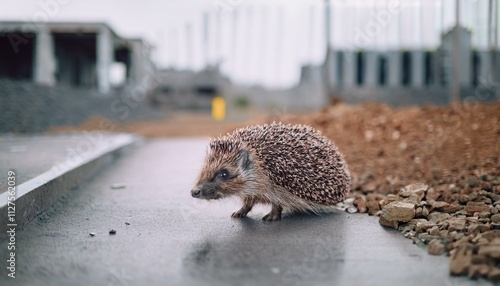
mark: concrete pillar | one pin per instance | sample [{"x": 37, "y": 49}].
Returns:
[
  {"x": 371, "y": 71},
  {"x": 417, "y": 67},
  {"x": 44, "y": 63},
  {"x": 485, "y": 71},
  {"x": 333, "y": 71},
  {"x": 394, "y": 68},
  {"x": 349, "y": 68},
  {"x": 105, "y": 56}
]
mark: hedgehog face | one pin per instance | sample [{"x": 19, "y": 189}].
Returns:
[{"x": 223, "y": 174}]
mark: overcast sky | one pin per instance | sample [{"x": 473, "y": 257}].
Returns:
[{"x": 261, "y": 42}]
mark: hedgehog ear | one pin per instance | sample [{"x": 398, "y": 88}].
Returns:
[{"x": 244, "y": 161}]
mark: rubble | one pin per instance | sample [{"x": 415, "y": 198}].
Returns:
[
  {"x": 468, "y": 233},
  {"x": 437, "y": 181}
]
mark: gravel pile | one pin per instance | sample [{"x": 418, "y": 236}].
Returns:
[
  {"x": 431, "y": 172},
  {"x": 26, "y": 107}
]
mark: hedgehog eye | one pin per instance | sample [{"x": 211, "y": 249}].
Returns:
[{"x": 223, "y": 174}]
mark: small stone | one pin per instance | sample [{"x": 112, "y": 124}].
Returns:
[
  {"x": 432, "y": 194},
  {"x": 460, "y": 261},
  {"x": 425, "y": 212},
  {"x": 476, "y": 271},
  {"x": 479, "y": 259},
  {"x": 399, "y": 211},
  {"x": 349, "y": 201},
  {"x": 413, "y": 198},
  {"x": 495, "y": 218},
  {"x": 369, "y": 187},
  {"x": 473, "y": 207},
  {"x": 473, "y": 229},
  {"x": 92, "y": 234},
  {"x": 457, "y": 224},
  {"x": 451, "y": 208},
  {"x": 373, "y": 207},
  {"x": 461, "y": 239},
  {"x": 494, "y": 211},
  {"x": 383, "y": 221},
  {"x": 426, "y": 238},
  {"x": 112, "y": 231},
  {"x": 437, "y": 217},
  {"x": 476, "y": 238},
  {"x": 351, "y": 210},
  {"x": 464, "y": 199},
  {"x": 439, "y": 205},
  {"x": 127, "y": 223},
  {"x": 485, "y": 214},
  {"x": 443, "y": 233},
  {"x": 494, "y": 273},
  {"x": 418, "y": 212},
  {"x": 482, "y": 241},
  {"x": 435, "y": 247},
  {"x": 472, "y": 219},
  {"x": 490, "y": 250},
  {"x": 117, "y": 186},
  {"x": 434, "y": 231},
  {"x": 418, "y": 189},
  {"x": 484, "y": 227},
  {"x": 360, "y": 203}
]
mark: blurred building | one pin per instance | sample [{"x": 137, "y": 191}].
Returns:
[
  {"x": 415, "y": 76},
  {"x": 75, "y": 54},
  {"x": 189, "y": 89}
]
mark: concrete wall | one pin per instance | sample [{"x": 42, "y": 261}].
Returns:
[{"x": 76, "y": 54}]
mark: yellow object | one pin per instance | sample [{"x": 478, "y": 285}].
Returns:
[{"x": 218, "y": 108}]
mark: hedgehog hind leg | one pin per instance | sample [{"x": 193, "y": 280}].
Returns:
[
  {"x": 248, "y": 203},
  {"x": 275, "y": 213}
]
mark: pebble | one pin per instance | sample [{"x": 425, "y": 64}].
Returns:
[
  {"x": 435, "y": 247},
  {"x": 399, "y": 211},
  {"x": 473, "y": 207},
  {"x": 92, "y": 234},
  {"x": 373, "y": 207},
  {"x": 349, "y": 200},
  {"x": 352, "y": 210},
  {"x": 116, "y": 186},
  {"x": 461, "y": 260},
  {"x": 495, "y": 218},
  {"x": 112, "y": 231},
  {"x": 360, "y": 203},
  {"x": 425, "y": 212}
]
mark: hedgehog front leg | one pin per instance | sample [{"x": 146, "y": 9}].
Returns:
[
  {"x": 275, "y": 213},
  {"x": 248, "y": 203}
]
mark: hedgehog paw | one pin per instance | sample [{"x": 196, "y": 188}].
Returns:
[
  {"x": 239, "y": 214},
  {"x": 272, "y": 217}
]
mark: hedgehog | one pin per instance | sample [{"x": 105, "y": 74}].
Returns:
[{"x": 294, "y": 168}]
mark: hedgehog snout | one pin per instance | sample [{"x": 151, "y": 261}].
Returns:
[
  {"x": 195, "y": 193},
  {"x": 205, "y": 191}
]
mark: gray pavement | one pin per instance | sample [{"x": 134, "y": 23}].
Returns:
[
  {"x": 32, "y": 155},
  {"x": 173, "y": 239}
]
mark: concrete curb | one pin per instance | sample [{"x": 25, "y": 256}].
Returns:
[{"x": 37, "y": 194}]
